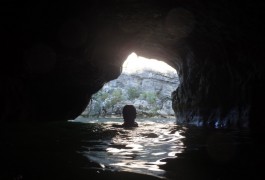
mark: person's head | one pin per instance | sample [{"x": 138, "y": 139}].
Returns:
[{"x": 129, "y": 113}]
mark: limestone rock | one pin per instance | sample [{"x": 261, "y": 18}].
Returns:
[{"x": 149, "y": 91}]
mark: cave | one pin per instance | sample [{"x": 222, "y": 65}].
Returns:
[
  {"x": 55, "y": 56},
  {"x": 147, "y": 84}
]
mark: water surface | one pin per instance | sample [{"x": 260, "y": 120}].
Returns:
[
  {"x": 140, "y": 150},
  {"x": 157, "y": 149}
]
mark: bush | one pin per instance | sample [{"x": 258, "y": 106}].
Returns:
[
  {"x": 133, "y": 93},
  {"x": 116, "y": 96},
  {"x": 150, "y": 97},
  {"x": 96, "y": 109},
  {"x": 100, "y": 96}
]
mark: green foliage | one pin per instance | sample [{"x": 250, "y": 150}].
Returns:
[
  {"x": 100, "y": 96},
  {"x": 108, "y": 104},
  {"x": 97, "y": 108},
  {"x": 133, "y": 93},
  {"x": 150, "y": 97},
  {"x": 116, "y": 96}
]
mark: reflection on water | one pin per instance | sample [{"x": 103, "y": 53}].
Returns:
[
  {"x": 138, "y": 149},
  {"x": 156, "y": 149}
]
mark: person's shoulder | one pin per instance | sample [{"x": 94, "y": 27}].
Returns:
[{"x": 135, "y": 124}]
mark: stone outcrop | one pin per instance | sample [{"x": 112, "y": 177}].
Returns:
[
  {"x": 149, "y": 91},
  {"x": 56, "y": 55}
]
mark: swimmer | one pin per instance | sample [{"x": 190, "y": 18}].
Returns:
[{"x": 129, "y": 115}]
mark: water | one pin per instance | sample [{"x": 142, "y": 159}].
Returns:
[
  {"x": 157, "y": 149},
  {"x": 139, "y": 150}
]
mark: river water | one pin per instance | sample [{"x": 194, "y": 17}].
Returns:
[{"x": 157, "y": 149}]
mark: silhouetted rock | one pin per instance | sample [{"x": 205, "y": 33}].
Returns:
[{"x": 56, "y": 55}]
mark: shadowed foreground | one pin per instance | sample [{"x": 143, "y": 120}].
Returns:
[{"x": 68, "y": 150}]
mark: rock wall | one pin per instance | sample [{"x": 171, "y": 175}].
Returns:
[
  {"x": 221, "y": 72},
  {"x": 148, "y": 90},
  {"x": 56, "y": 55}
]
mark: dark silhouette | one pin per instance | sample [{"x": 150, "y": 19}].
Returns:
[{"x": 129, "y": 115}]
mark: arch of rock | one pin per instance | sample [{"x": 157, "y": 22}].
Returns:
[{"x": 56, "y": 55}]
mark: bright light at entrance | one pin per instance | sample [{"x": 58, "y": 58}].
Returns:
[
  {"x": 146, "y": 84},
  {"x": 137, "y": 64}
]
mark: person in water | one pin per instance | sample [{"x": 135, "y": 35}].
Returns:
[{"x": 129, "y": 115}]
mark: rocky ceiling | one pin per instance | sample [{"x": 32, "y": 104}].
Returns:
[{"x": 56, "y": 55}]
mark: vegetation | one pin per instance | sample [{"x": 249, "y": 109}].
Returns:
[
  {"x": 100, "y": 96},
  {"x": 150, "y": 97},
  {"x": 112, "y": 100},
  {"x": 133, "y": 93},
  {"x": 115, "y": 97}
]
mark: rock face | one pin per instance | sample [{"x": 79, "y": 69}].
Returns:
[
  {"x": 148, "y": 90},
  {"x": 56, "y": 55}
]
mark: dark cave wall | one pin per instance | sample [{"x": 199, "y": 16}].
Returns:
[
  {"x": 56, "y": 55},
  {"x": 222, "y": 68}
]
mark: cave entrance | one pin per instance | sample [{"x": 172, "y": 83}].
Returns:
[{"x": 145, "y": 83}]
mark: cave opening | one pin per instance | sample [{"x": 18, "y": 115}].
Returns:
[
  {"x": 145, "y": 83},
  {"x": 56, "y": 55}
]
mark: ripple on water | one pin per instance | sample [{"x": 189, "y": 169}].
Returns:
[{"x": 137, "y": 150}]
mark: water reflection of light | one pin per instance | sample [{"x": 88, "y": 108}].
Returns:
[{"x": 135, "y": 151}]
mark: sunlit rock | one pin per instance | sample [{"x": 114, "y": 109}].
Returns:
[{"x": 145, "y": 83}]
